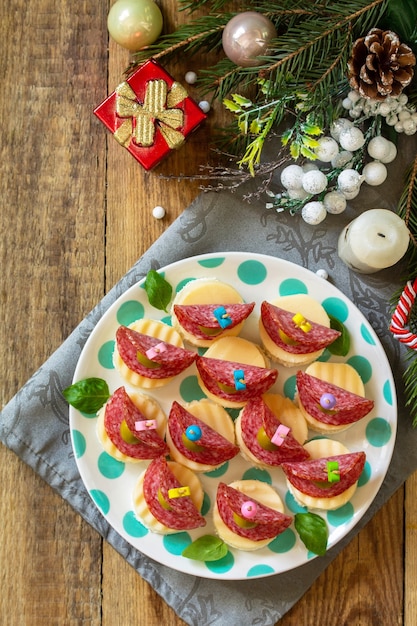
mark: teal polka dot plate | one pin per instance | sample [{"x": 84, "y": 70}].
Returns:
[{"x": 110, "y": 483}]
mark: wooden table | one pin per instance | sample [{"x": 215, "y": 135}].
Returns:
[{"x": 76, "y": 213}]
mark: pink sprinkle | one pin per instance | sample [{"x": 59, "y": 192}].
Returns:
[
  {"x": 153, "y": 352},
  {"x": 280, "y": 434},
  {"x": 248, "y": 509},
  {"x": 145, "y": 424}
]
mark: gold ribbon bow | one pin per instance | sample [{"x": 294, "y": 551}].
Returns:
[{"x": 157, "y": 107}]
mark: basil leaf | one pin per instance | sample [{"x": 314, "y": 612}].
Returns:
[
  {"x": 158, "y": 289},
  {"x": 341, "y": 346},
  {"x": 206, "y": 548},
  {"x": 313, "y": 532},
  {"x": 87, "y": 395}
]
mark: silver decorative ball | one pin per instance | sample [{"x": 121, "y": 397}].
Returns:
[{"x": 246, "y": 37}]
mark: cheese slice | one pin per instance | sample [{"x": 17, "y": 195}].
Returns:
[
  {"x": 340, "y": 374},
  {"x": 156, "y": 329},
  {"x": 150, "y": 409},
  {"x": 206, "y": 291},
  {"x": 318, "y": 449},
  {"x": 236, "y": 349},
  {"x": 186, "y": 477},
  {"x": 310, "y": 309},
  {"x": 257, "y": 490},
  {"x": 214, "y": 416}
]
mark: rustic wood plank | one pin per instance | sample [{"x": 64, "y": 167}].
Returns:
[
  {"x": 52, "y": 260},
  {"x": 410, "y": 552}
]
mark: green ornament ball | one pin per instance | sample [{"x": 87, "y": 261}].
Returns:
[{"x": 134, "y": 24}]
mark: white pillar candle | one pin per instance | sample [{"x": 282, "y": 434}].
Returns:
[{"x": 377, "y": 239}]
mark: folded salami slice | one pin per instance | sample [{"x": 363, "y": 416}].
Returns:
[
  {"x": 200, "y": 319},
  {"x": 301, "y": 338},
  {"x": 220, "y": 378},
  {"x": 312, "y": 477},
  {"x": 258, "y": 426},
  {"x": 167, "y": 360},
  {"x": 266, "y": 523},
  {"x": 210, "y": 449},
  {"x": 177, "y": 513},
  {"x": 348, "y": 407},
  {"x": 144, "y": 444}
]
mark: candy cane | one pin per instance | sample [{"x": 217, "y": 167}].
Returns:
[{"x": 402, "y": 315}]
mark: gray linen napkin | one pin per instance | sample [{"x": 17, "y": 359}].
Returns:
[{"x": 215, "y": 222}]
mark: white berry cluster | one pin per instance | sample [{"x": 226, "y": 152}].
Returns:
[
  {"x": 314, "y": 192},
  {"x": 396, "y": 111}
]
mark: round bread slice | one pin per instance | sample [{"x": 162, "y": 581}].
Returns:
[
  {"x": 206, "y": 291},
  {"x": 342, "y": 375},
  {"x": 319, "y": 449},
  {"x": 310, "y": 309},
  {"x": 256, "y": 490}
]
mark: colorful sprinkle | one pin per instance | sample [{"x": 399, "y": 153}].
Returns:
[
  {"x": 222, "y": 316},
  {"x": 239, "y": 379},
  {"x": 193, "y": 432},
  {"x": 300, "y": 321},
  {"x": 145, "y": 424},
  {"x": 327, "y": 401},
  {"x": 280, "y": 434},
  {"x": 179, "y": 492},
  {"x": 248, "y": 509},
  {"x": 155, "y": 350},
  {"x": 333, "y": 473}
]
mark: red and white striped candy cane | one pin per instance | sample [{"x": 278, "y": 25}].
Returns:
[{"x": 401, "y": 316}]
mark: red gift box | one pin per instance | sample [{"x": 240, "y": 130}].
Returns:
[{"x": 150, "y": 114}]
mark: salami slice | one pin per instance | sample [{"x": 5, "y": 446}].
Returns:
[
  {"x": 348, "y": 408},
  {"x": 218, "y": 376},
  {"x": 145, "y": 444},
  {"x": 265, "y": 524},
  {"x": 167, "y": 361},
  {"x": 258, "y": 426},
  {"x": 177, "y": 513},
  {"x": 200, "y": 319},
  {"x": 311, "y": 477},
  {"x": 210, "y": 449},
  {"x": 290, "y": 336}
]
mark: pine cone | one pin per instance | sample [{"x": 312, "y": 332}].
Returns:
[{"x": 380, "y": 65}]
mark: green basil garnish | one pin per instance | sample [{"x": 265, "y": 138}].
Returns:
[
  {"x": 313, "y": 532},
  {"x": 87, "y": 395},
  {"x": 159, "y": 290},
  {"x": 206, "y": 548},
  {"x": 341, "y": 346}
]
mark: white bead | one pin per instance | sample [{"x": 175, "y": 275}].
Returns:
[
  {"x": 334, "y": 202},
  {"x": 354, "y": 96},
  {"x": 402, "y": 98},
  {"x": 158, "y": 212},
  {"x": 313, "y": 213},
  {"x": 349, "y": 180},
  {"x": 322, "y": 274},
  {"x": 204, "y": 106},
  {"x": 314, "y": 182},
  {"x": 191, "y": 78},
  {"x": 338, "y": 125},
  {"x": 399, "y": 127},
  {"x": 347, "y": 104},
  {"x": 355, "y": 114},
  {"x": 351, "y": 139},
  {"x": 404, "y": 115},
  {"x": 297, "y": 194},
  {"x": 391, "y": 119},
  {"x": 307, "y": 167},
  {"x": 384, "y": 109},
  {"x": 349, "y": 195},
  {"x": 292, "y": 176},
  {"x": 392, "y": 154},
  {"x": 374, "y": 173},
  {"x": 327, "y": 149},
  {"x": 379, "y": 148},
  {"x": 342, "y": 160}
]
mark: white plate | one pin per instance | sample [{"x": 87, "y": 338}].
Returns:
[{"x": 257, "y": 277}]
